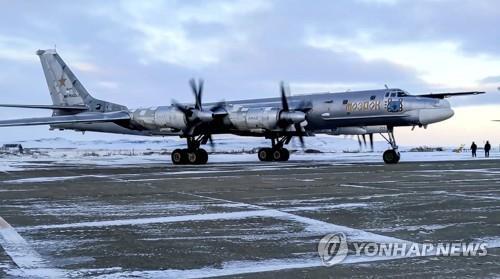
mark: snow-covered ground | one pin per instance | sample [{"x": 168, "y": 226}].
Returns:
[
  {"x": 224, "y": 143},
  {"x": 45, "y": 152}
]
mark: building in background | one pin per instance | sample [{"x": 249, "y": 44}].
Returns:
[{"x": 12, "y": 148}]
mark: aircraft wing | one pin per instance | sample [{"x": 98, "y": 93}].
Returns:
[
  {"x": 68, "y": 119},
  {"x": 45, "y": 107},
  {"x": 447, "y": 95}
]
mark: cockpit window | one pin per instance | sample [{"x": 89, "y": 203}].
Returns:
[
  {"x": 402, "y": 94},
  {"x": 393, "y": 94},
  {"x": 373, "y": 97}
]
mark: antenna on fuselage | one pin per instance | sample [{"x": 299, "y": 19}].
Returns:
[{"x": 386, "y": 87}]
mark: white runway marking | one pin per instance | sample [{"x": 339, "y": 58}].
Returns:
[
  {"x": 323, "y": 207},
  {"x": 50, "y": 179},
  {"x": 474, "y": 196},
  {"x": 21, "y": 253},
  {"x": 313, "y": 225},
  {"x": 244, "y": 267},
  {"x": 17, "y": 248},
  {"x": 156, "y": 220},
  {"x": 491, "y": 242},
  {"x": 369, "y": 187}
]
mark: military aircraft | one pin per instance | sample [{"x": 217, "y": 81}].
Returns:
[{"x": 278, "y": 119}]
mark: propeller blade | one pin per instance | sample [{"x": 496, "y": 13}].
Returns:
[
  {"x": 364, "y": 139},
  {"x": 211, "y": 141},
  {"x": 196, "y": 92},
  {"x": 200, "y": 93},
  {"x": 218, "y": 106},
  {"x": 302, "y": 143},
  {"x": 182, "y": 108},
  {"x": 371, "y": 141},
  {"x": 284, "y": 101},
  {"x": 300, "y": 135},
  {"x": 194, "y": 87},
  {"x": 359, "y": 141}
]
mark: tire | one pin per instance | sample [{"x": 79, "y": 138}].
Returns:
[
  {"x": 391, "y": 156},
  {"x": 203, "y": 156},
  {"x": 193, "y": 157},
  {"x": 277, "y": 155},
  {"x": 178, "y": 157},
  {"x": 265, "y": 154},
  {"x": 285, "y": 154}
]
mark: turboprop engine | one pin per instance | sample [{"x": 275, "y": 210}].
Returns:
[
  {"x": 157, "y": 118},
  {"x": 182, "y": 117},
  {"x": 264, "y": 118}
]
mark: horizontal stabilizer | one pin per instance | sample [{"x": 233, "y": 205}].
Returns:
[
  {"x": 68, "y": 119},
  {"x": 45, "y": 107},
  {"x": 447, "y": 95}
]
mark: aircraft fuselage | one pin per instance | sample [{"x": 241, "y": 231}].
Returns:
[{"x": 328, "y": 113}]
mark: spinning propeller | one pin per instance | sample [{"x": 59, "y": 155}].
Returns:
[
  {"x": 294, "y": 116},
  {"x": 195, "y": 116}
]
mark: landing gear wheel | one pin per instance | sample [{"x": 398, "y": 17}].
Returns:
[
  {"x": 277, "y": 155},
  {"x": 193, "y": 157},
  {"x": 202, "y": 156},
  {"x": 285, "y": 154},
  {"x": 265, "y": 154},
  {"x": 281, "y": 154},
  {"x": 179, "y": 156},
  {"x": 391, "y": 156}
]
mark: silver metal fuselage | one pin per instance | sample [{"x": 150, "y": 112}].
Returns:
[{"x": 333, "y": 113}]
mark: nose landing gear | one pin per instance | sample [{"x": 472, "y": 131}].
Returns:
[{"x": 391, "y": 156}]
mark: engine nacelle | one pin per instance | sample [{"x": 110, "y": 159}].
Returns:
[
  {"x": 157, "y": 118},
  {"x": 247, "y": 119},
  {"x": 362, "y": 130}
]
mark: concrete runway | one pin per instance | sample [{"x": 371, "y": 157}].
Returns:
[{"x": 245, "y": 220}]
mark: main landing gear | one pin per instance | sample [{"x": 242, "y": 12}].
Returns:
[
  {"x": 193, "y": 155},
  {"x": 391, "y": 156},
  {"x": 277, "y": 153}
]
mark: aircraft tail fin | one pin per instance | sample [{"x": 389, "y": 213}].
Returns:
[{"x": 65, "y": 88}]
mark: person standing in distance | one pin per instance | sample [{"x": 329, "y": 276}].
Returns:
[
  {"x": 473, "y": 147},
  {"x": 487, "y": 148}
]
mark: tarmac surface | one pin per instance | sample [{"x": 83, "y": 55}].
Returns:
[{"x": 244, "y": 220}]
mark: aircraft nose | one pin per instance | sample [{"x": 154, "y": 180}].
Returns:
[{"x": 428, "y": 116}]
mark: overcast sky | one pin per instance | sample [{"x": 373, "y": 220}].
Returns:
[{"x": 142, "y": 53}]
